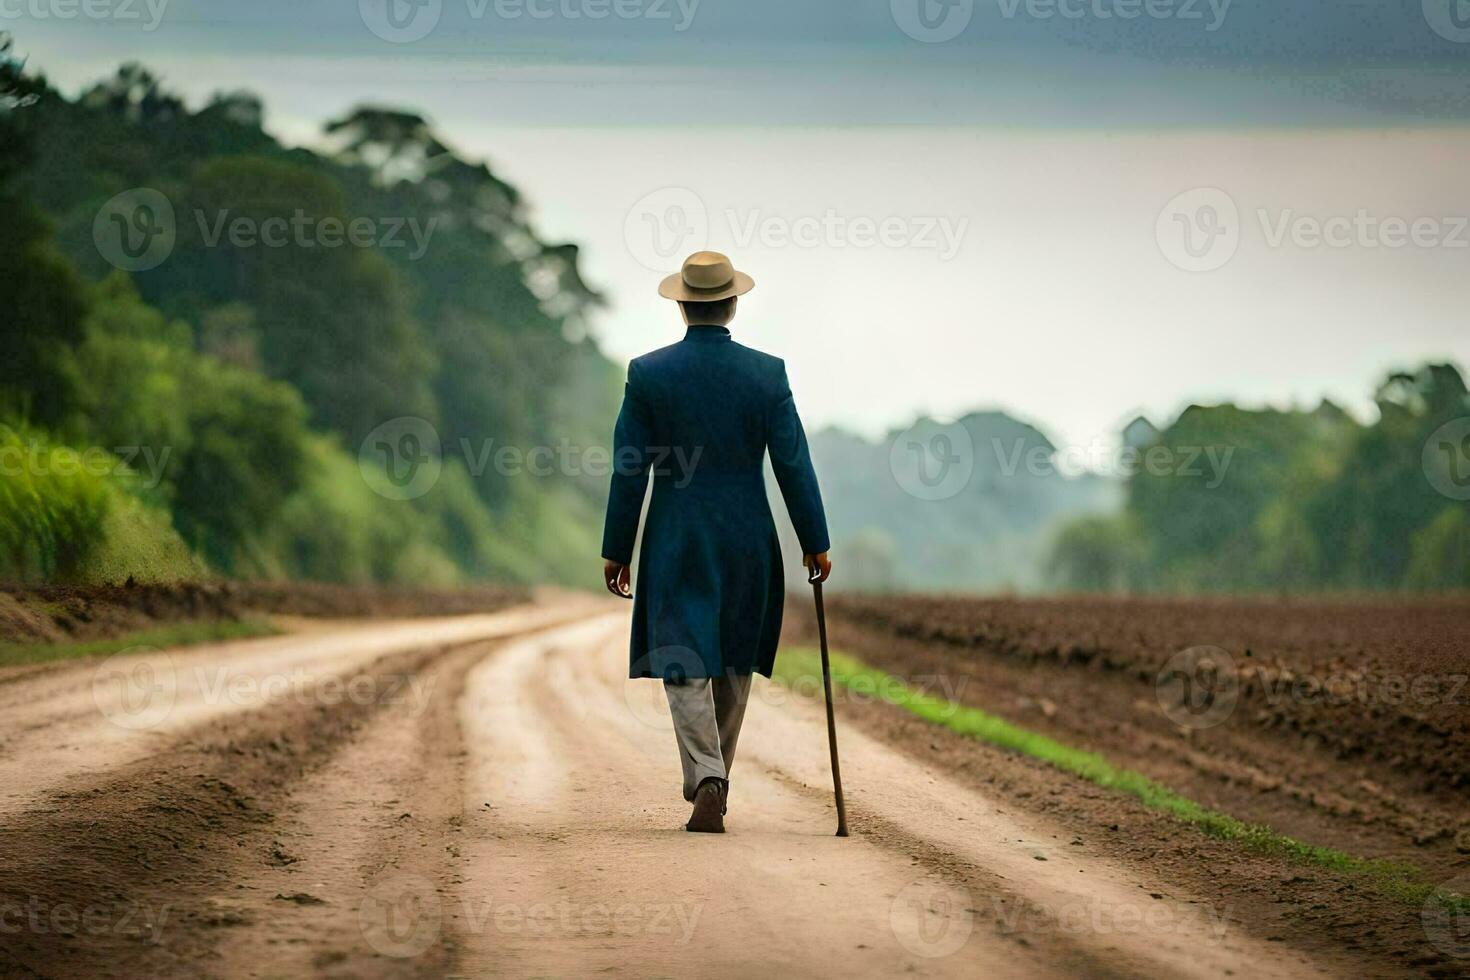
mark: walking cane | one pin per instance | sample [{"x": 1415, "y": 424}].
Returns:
[{"x": 814, "y": 577}]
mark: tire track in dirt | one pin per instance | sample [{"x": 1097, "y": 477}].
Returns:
[
  {"x": 95, "y": 716},
  {"x": 580, "y": 865},
  {"x": 523, "y": 818},
  {"x": 584, "y": 815},
  {"x": 152, "y": 858}
]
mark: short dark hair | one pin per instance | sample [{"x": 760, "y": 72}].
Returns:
[{"x": 720, "y": 311}]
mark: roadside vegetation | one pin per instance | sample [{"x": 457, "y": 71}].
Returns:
[
  {"x": 205, "y": 416},
  {"x": 158, "y": 638},
  {"x": 800, "y": 669}
]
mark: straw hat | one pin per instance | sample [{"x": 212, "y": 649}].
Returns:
[{"x": 706, "y": 277}]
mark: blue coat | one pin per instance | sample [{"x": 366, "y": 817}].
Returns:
[{"x": 700, "y": 416}]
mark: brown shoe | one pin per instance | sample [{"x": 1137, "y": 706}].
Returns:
[{"x": 708, "y": 816}]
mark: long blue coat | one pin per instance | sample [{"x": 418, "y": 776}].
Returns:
[{"x": 699, "y": 416}]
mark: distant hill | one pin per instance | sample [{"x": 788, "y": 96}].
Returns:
[{"x": 993, "y": 533}]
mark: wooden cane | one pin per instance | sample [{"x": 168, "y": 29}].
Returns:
[{"x": 814, "y": 577}]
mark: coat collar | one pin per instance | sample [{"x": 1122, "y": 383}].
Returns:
[{"x": 705, "y": 332}]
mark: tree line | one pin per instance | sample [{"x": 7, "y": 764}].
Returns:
[{"x": 205, "y": 413}]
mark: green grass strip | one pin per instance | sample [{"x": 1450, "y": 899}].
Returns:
[
  {"x": 801, "y": 669},
  {"x": 162, "y": 637}
]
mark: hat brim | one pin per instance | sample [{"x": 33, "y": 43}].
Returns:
[{"x": 675, "y": 288}]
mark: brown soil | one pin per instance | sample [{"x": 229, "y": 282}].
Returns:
[
  {"x": 60, "y": 614},
  {"x": 1374, "y": 775},
  {"x": 522, "y": 818}
]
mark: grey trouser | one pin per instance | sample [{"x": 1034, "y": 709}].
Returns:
[{"x": 707, "y": 715}]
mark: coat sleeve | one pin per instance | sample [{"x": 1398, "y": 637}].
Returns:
[
  {"x": 631, "y": 438},
  {"x": 792, "y": 463}
]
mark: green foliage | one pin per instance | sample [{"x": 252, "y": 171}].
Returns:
[
  {"x": 1309, "y": 501},
  {"x": 44, "y": 305},
  {"x": 1440, "y": 553},
  {"x": 243, "y": 372},
  {"x": 181, "y": 634},
  {"x": 66, "y": 516},
  {"x": 800, "y": 668},
  {"x": 1099, "y": 554}
]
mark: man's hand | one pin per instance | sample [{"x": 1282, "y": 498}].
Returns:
[
  {"x": 818, "y": 563},
  {"x": 615, "y": 575}
]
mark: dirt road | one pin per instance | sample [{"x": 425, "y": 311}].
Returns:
[{"x": 487, "y": 796}]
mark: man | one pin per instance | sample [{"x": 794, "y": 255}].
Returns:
[{"x": 700, "y": 416}]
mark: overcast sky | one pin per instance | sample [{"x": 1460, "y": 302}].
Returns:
[{"x": 1069, "y": 217}]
